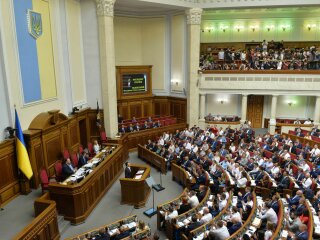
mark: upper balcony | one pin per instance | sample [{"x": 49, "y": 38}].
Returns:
[{"x": 304, "y": 82}]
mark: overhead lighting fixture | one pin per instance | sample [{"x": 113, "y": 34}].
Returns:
[
  {"x": 270, "y": 27},
  {"x": 253, "y": 28},
  {"x": 310, "y": 26},
  {"x": 238, "y": 28},
  {"x": 224, "y": 28}
]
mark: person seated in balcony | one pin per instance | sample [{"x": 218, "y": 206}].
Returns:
[
  {"x": 217, "y": 118},
  {"x": 122, "y": 129},
  {"x": 130, "y": 128},
  {"x": 134, "y": 120},
  {"x": 136, "y": 127},
  {"x": 308, "y": 121}
]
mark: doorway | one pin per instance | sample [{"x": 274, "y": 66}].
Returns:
[{"x": 255, "y": 110}]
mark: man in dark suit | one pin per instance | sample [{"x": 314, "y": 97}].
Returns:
[
  {"x": 136, "y": 127},
  {"x": 124, "y": 232},
  {"x": 294, "y": 201},
  {"x": 301, "y": 235},
  {"x": 129, "y": 128},
  {"x": 83, "y": 159},
  {"x": 285, "y": 181},
  {"x": 236, "y": 224},
  {"x": 127, "y": 171},
  {"x": 202, "y": 193},
  {"x": 67, "y": 169},
  {"x": 292, "y": 148},
  {"x": 122, "y": 129},
  {"x": 184, "y": 207},
  {"x": 193, "y": 225},
  {"x": 274, "y": 203}
]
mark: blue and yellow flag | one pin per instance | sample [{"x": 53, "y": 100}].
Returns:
[{"x": 22, "y": 154}]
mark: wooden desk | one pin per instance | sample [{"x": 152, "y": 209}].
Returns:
[
  {"x": 165, "y": 206},
  {"x": 45, "y": 224},
  {"x": 286, "y": 127},
  {"x": 224, "y": 125},
  {"x": 75, "y": 202},
  {"x": 152, "y": 158},
  {"x": 141, "y": 137},
  {"x": 135, "y": 191},
  {"x": 110, "y": 226},
  {"x": 181, "y": 176}
]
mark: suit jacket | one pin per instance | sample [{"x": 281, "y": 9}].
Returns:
[
  {"x": 122, "y": 235},
  {"x": 302, "y": 236},
  {"x": 275, "y": 206},
  {"x": 201, "y": 195},
  {"x": 192, "y": 226},
  {"x": 293, "y": 150},
  {"x": 299, "y": 209},
  {"x": 285, "y": 181},
  {"x": 127, "y": 172},
  {"x": 184, "y": 208},
  {"x": 294, "y": 200},
  {"x": 82, "y": 161},
  {"x": 66, "y": 171},
  {"x": 234, "y": 228}
]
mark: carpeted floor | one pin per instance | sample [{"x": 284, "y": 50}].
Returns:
[{"x": 20, "y": 211}]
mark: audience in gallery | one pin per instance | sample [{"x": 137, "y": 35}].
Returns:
[
  {"x": 219, "y": 118},
  {"x": 266, "y": 159},
  {"x": 135, "y": 126},
  {"x": 266, "y": 56}
]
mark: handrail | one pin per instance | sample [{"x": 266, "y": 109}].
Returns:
[{"x": 45, "y": 221}]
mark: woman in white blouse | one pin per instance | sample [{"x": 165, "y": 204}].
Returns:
[
  {"x": 269, "y": 232},
  {"x": 242, "y": 182},
  {"x": 96, "y": 147}
]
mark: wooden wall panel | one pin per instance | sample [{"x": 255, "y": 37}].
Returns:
[
  {"x": 9, "y": 185},
  {"x": 74, "y": 137}
]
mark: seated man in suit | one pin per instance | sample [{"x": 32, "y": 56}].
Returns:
[
  {"x": 122, "y": 129},
  {"x": 193, "y": 225},
  {"x": 67, "y": 169},
  {"x": 83, "y": 159},
  {"x": 301, "y": 235},
  {"x": 294, "y": 201},
  {"x": 236, "y": 224},
  {"x": 127, "y": 171},
  {"x": 103, "y": 235},
  {"x": 130, "y": 128},
  {"x": 123, "y": 233},
  {"x": 285, "y": 182}
]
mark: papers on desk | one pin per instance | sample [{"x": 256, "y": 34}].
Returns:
[
  {"x": 113, "y": 231},
  {"x": 186, "y": 221},
  {"x": 210, "y": 197},
  {"x": 284, "y": 234},
  {"x": 209, "y": 204},
  {"x": 140, "y": 172},
  {"x": 131, "y": 225},
  {"x": 138, "y": 177},
  {"x": 253, "y": 183},
  {"x": 199, "y": 237},
  {"x": 180, "y": 224},
  {"x": 256, "y": 222}
]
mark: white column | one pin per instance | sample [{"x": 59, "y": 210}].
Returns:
[
  {"x": 107, "y": 65},
  {"x": 193, "y": 21},
  {"x": 244, "y": 108},
  {"x": 202, "y": 105},
  {"x": 202, "y": 121},
  {"x": 316, "y": 116},
  {"x": 272, "y": 123}
]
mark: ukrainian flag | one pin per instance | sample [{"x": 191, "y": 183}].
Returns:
[{"x": 22, "y": 154}]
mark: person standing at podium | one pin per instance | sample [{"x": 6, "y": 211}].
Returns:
[{"x": 127, "y": 171}]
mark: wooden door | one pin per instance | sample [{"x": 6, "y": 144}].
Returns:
[{"x": 255, "y": 110}]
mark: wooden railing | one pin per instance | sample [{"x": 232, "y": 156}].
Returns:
[
  {"x": 166, "y": 206},
  {"x": 45, "y": 225},
  {"x": 181, "y": 176},
  {"x": 207, "y": 225},
  {"x": 132, "y": 139},
  {"x": 152, "y": 158}
]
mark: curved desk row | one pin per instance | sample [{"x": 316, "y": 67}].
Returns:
[
  {"x": 112, "y": 228},
  {"x": 152, "y": 158},
  {"x": 198, "y": 231},
  {"x": 181, "y": 176},
  {"x": 45, "y": 224},
  {"x": 132, "y": 139},
  {"x": 76, "y": 201}
]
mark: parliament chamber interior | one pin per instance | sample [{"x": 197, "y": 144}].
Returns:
[{"x": 160, "y": 119}]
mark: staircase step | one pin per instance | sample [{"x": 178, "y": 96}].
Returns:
[{"x": 62, "y": 224}]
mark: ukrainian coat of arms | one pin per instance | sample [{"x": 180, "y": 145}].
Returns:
[{"x": 34, "y": 23}]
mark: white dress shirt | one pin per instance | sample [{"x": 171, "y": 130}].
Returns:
[
  {"x": 206, "y": 218},
  {"x": 270, "y": 215},
  {"x": 171, "y": 215},
  {"x": 307, "y": 183},
  {"x": 193, "y": 201}
]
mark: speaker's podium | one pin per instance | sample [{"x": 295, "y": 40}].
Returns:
[{"x": 135, "y": 190}]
